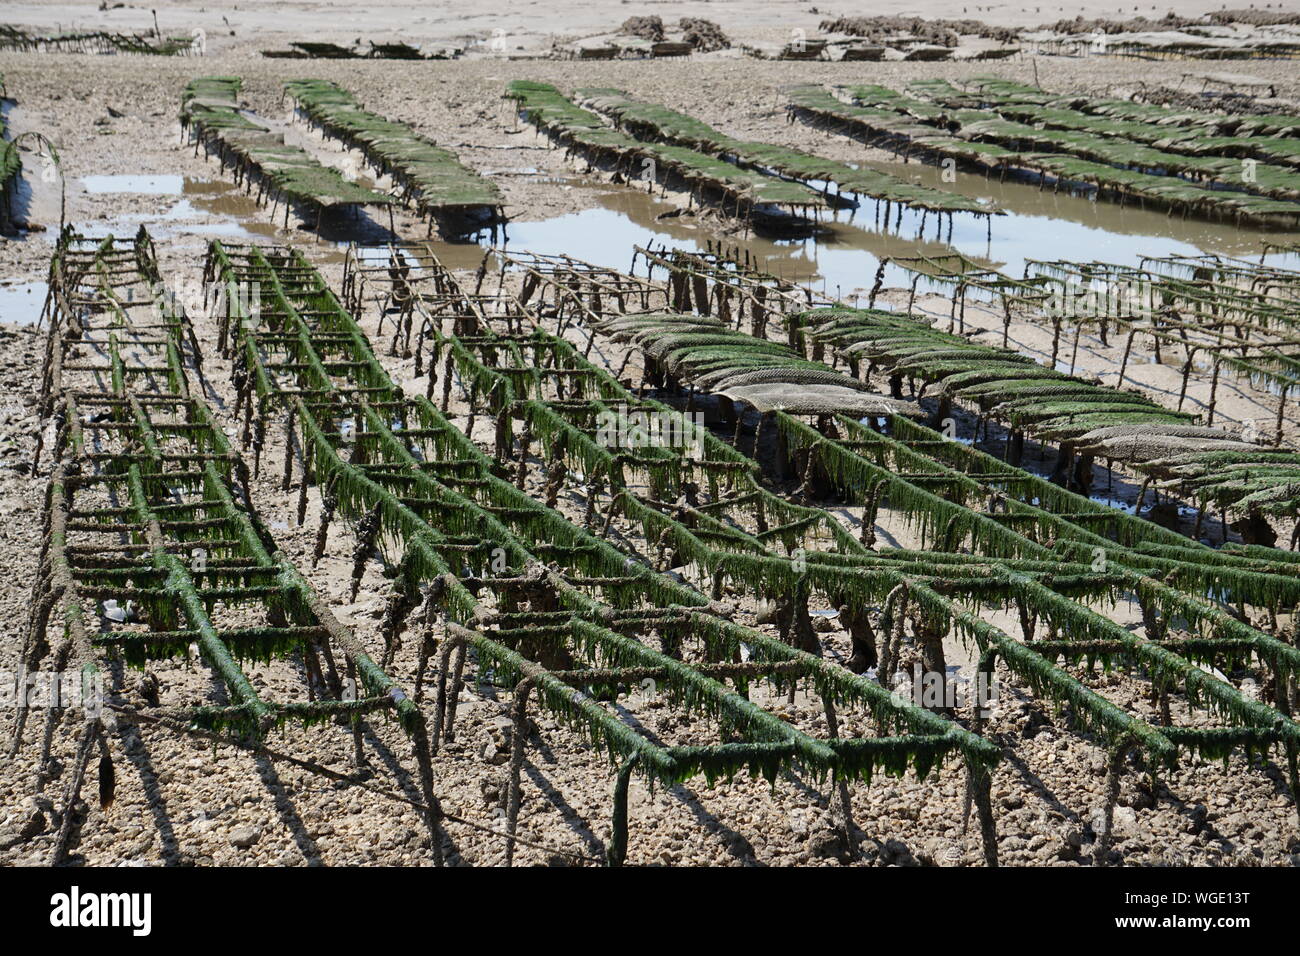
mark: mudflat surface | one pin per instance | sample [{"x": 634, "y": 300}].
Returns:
[{"x": 183, "y": 801}]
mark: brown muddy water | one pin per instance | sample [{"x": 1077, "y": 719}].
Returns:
[{"x": 194, "y": 207}]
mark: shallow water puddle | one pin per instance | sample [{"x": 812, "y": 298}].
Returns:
[
  {"x": 1038, "y": 225},
  {"x": 1025, "y": 199},
  {"x": 206, "y": 208},
  {"x": 21, "y": 304},
  {"x": 460, "y": 256},
  {"x": 146, "y": 185},
  {"x": 165, "y": 226},
  {"x": 621, "y": 218}
]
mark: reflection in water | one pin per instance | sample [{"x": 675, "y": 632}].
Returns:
[
  {"x": 233, "y": 208},
  {"x": 1039, "y": 224},
  {"x": 229, "y": 205},
  {"x": 219, "y": 209},
  {"x": 604, "y": 235},
  {"x": 458, "y": 256},
  {"x": 1026, "y": 199},
  {"x": 210, "y": 208}
]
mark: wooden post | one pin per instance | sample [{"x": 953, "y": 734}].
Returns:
[{"x": 616, "y": 852}]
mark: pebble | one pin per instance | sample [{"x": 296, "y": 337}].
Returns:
[{"x": 245, "y": 837}]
